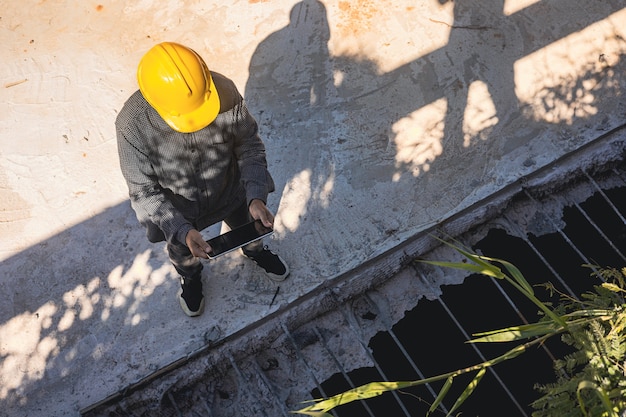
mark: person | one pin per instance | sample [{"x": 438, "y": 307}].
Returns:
[{"x": 192, "y": 157}]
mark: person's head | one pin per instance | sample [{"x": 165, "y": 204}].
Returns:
[{"x": 177, "y": 83}]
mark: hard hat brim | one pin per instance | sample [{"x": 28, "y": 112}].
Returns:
[{"x": 200, "y": 117}]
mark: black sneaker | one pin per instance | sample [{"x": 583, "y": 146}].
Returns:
[
  {"x": 274, "y": 266},
  {"x": 191, "y": 297}
]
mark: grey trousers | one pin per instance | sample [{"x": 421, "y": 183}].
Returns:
[{"x": 191, "y": 267}]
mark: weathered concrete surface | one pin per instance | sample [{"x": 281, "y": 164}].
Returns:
[{"x": 380, "y": 118}]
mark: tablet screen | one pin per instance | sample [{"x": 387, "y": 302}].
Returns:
[{"x": 237, "y": 238}]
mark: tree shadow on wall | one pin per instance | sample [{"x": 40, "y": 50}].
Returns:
[
  {"x": 74, "y": 299},
  {"x": 452, "y": 112},
  {"x": 78, "y": 309}
]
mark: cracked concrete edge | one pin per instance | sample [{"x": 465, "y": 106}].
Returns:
[{"x": 216, "y": 356}]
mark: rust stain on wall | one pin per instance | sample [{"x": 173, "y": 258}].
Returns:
[{"x": 360, "y": 15}]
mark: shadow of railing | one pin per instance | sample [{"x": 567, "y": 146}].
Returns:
[
  {"x": 73, "y": 298},
  {"x": 346, "y": 137}
]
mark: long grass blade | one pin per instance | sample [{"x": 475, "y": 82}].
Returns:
[
  {"x": 490, "y": 269},
  {"x": 373, "y": 389},
  {"x": 515, "y": 333},
  {"x": 516, "y": 274},
  {"x": 477, "y": 269},
  {"x": 441, "y": 395},
  {"x": 468, "y": 390}
]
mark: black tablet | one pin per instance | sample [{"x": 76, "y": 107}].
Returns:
[{"x": 238, "y": 237}]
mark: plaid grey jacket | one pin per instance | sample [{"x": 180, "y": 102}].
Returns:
[{"x": 179, "y": 181}]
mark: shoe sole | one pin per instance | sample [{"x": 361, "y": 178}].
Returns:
[
  {"x": 278, "y": 278},
  {"x": 186, "y": 309}
]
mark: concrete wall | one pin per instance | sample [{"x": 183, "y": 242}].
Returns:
[{"x": 381, "y": 118}]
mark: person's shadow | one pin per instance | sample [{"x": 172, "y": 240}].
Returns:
[
  {"x": 290, "y": 69},
  {"x": 349, "y": 138},
  {"x": 287, "y": 89},
  {"x": 292, "y": 91}
]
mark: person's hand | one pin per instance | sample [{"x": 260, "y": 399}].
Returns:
[
  {"x": 197, "y": 245},
  {"x": 259, "y": 211}
]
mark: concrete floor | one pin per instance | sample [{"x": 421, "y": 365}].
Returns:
[{"x": 381, "y": 118}]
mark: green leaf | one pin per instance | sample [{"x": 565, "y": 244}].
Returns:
[
  {"x": 441, "y": 395},
  {"x": 313, "y": 413},
  {"x": 487, "y": 268},
  {"x": 516, "y": 274},
  {"x": 612, "y": 287},
  {"x": 477, "y": 269},
  {"x": 468, "y": 390},
  {"x": 606, "y": 401},
  {"x": 511, "y": 334},
  {"x": 362, "y": 392}
]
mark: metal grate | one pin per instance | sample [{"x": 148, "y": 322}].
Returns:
[
  {"x": 591, "y": 232},
  {"x": 412, "y": 325}
]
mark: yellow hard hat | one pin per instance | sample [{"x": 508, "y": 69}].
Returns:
[{"x": 178, "y": 85}]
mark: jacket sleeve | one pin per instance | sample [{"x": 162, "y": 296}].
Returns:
[
  {"x": 146, "y": 195},
  {"x": 250, "y": 153}
]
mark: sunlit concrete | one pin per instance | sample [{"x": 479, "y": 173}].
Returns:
[{"x": 381, "y": 118}]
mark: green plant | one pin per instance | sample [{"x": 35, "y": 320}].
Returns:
[{"x": 590, "y": 382}]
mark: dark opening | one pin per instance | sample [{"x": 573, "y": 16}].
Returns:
[{"x": 437, "y": 345}]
